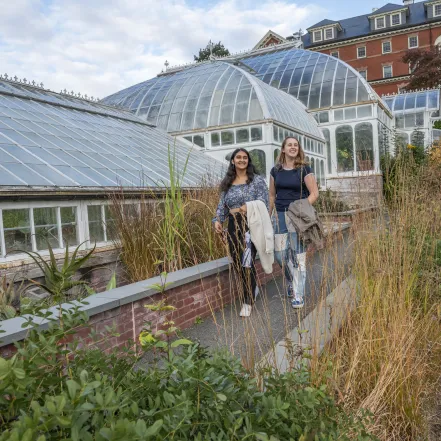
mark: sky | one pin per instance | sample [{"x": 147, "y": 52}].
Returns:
[{"x": 98, "y": 47}]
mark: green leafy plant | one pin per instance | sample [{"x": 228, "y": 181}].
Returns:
[
  {"x": 59, "y": 279},
  {"x": 51, "y": 390},
  {"x": 10, "y": 296}
]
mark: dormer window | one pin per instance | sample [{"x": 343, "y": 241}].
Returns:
[
  {"x": 318, "y": 36},
  {"x": 395, "y": 19},
  {"x": 437, "y": 10},
  {"x": 380, "y": 22},
  {"x": 329, "y": 33}
]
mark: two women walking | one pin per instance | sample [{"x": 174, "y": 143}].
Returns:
[{"x": 243, "y": 195}]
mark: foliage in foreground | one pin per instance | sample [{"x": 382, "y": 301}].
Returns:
[{"x": 51, "y": 390}]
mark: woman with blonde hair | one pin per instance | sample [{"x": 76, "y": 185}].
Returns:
[{"x": 291, "y": 179}]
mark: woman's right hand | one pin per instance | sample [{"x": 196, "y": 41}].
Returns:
[{"x": 218, "y": 227}]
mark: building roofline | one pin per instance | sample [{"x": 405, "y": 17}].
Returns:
[
  {"x": 268, "y": 34},
  {"x": 391, "y": 11}
]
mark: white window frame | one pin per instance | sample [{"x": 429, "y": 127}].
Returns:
[
  {"x": 82, "y": 224},
  {"x": 382, "y": 47},
  {"x": 434, "y": 10},
  {"x": 417, "y": 42},
  {"x": 394, "y": 15},
  {"x": 332, "y": 33},
  {"x": 391, "y": 71},
  {"x": 363, "y": 70},
  {"x": 320, "y": 31},
  {"x": 358, "y": 53},
  {"x": 380, "y": 18},
  {"x": 335, "y": 52}
]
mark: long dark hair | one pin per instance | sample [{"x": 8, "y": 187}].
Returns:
[
  {"x": 230, "y": 176},
  {"x": 299, "y": 160}
]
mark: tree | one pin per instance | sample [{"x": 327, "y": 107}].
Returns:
[
  {"x": 218, "y": 50},
  {"x": 425, "y": 67}
]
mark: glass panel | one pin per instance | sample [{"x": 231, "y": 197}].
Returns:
[
  {"x": 96, "y": 225},
  {"x": 324, "y": 117},
  {"x": 419, "y": 119},
  {"x": 227, "y": 137},
  {"x": 275, "y": 133},
  {"x": 199, "y": 140},
  {"x": 46, "y": 228},
  {"x": 338, "y": 115},
  {"x": 256, "y": 133},
  {"x": 276, "y": 155},
  {"x": 69, "y": 225},
  {"x": 417, "y": 138},
  {"x": 110, "y": 223},
  {"x": 399, "y": 103},
  {"x": 364, "y": 142},
  {"x": 345, "y": 148},
  {"x": 242, "y": 135},
  {"x": 401, "y": 141},
  {"x": 350, "y": 113},
  {"x": 399, "y": 120},
  {"x": 17, "y": 229},
  {"x": 364, "y": 111},
  {"x": 215, "y": 140},
  {"x": 258, "y": 158},
  {"x": 410, "y": 101},
  {"x": 409, "y": 120}
]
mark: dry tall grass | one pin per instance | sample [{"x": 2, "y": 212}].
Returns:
[{"x": 386, "y": 358}]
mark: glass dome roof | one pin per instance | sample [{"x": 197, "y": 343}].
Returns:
[
  {"x": 317, "y": 80},
  {"x": 209, "y": 95},
  {"x": 425, "y": 100},
  {"x": 73, "y": 143}
]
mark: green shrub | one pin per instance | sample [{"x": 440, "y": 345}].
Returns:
[{"x": 51, "y": 390}]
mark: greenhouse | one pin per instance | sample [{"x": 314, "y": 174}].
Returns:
[
  {"x": 61, "y": 157},
  {"x": 217, "y": 104},
  {"x": 220, "y": 106},
  {"x": 415, "y": 113}
]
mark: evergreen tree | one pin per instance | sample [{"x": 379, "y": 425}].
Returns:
[{"x": 218, "y": 50}]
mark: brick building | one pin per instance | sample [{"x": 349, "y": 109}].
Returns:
[{"x": 375, "y": 43}]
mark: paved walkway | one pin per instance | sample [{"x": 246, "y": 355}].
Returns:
[{"x": 272, "y": 316}]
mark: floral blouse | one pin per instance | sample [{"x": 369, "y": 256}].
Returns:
[{"x": 239, "y": 195}]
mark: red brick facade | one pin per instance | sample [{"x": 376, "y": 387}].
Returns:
[
  {"x": 195, "y": 299},
  {"x": 375, "y": 60}
]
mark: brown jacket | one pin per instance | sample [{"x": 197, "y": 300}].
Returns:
[{"x": 304, "y": 220}]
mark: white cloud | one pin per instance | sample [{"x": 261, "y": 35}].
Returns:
[{"x": 99, "y": 47}]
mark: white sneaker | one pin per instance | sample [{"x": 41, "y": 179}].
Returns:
[{"x": 245, "y": 311}]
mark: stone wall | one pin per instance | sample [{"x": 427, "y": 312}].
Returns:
[{"x": 196, "y": 292}]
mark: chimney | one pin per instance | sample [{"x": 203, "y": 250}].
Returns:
[{"x": 408, "y": 2}]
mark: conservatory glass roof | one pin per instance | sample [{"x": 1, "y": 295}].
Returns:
[
  {"x": 425, "y": 100},
  {"x": 209, "y": 95},
  {"x": 317, "y": 80},
  {"x": 72, "y": 143}
]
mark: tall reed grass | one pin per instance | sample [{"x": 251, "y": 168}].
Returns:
[
  {"x": 386, "y": 357},
  {"x": 171, "y": 233}
]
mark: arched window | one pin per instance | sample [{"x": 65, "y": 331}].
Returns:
[
  {"x": 328, "y": 149},
  {"x": 345, "y": 148},
  {"x": 276, "y": 155},
  {"x": 313, "y": 164},
  {"x": 364, "y": 143},
  {"x": 259, "y": 160},
  {"x": 322, "y": 173}
]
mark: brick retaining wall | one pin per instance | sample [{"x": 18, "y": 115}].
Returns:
[{"x": 196, "y": 292}]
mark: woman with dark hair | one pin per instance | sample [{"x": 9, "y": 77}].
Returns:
[
  {"x": 240, "y": 185},
  {"x": 291, "y": 179}
]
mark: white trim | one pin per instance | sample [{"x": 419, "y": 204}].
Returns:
[
  {"x": 332, "y": 29},
  {"x": 434, "y": 10},
  {"x": 382, "y": 47},
  {"x": 417, "y": 42},
  {"x": 315, "y": 40},
  {"x": 383, "y": 17},
  {"x": 391, "y": 71},
  {"x": 358, "y": 52},
  {"x": 391, "y": 19}
]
